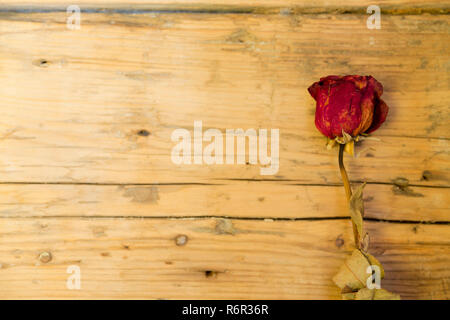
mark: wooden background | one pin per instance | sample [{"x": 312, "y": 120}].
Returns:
[{"x": 85, "y": 172}]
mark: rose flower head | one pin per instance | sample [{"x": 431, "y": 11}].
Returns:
[{"x": 348, "y": 106}]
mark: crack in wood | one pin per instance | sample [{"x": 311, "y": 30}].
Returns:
[
  {"x": 149, "y": 184},
  {"x": 205, "y": 217},
  {"x": 227, "y": 9}
]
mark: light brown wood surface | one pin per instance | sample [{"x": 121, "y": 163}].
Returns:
[
  {"x": 133, "y": 258},
  {"x": 224, "y": 199},
  {"x": 247, "y": 6},
  {"x": 77, "y": 179},
  {"x": 83, "y": 107}
]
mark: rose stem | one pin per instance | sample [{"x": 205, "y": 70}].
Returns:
[{"x": 348, "y": 189}]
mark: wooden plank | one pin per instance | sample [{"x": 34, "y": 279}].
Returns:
[
  {"x": 258, "y": 6},
  {"x": 91, "y": 111},
  {"x": 122, "y": 258},
  {"x": 240, "y": 199},
  {"x": 73, "y": 101}
]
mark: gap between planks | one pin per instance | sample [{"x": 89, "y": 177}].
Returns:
[
  {"x": 227, "y": 9},
  {"x": 292, "y": 182},
  {"x": 207, "y": 217},
  {"x": 264, "y": 200}
]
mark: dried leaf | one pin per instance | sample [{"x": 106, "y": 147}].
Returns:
[
  {"x": 374, "y": 262},
  {"x": 350, "y": 148},
  {"x": 353, "y": 273},
  {"x": 348, "y": 294},
  {"x": 357, "y": 209},
  {"x": 365, "y": 242},
  {"x": 346, "y": 137},
  {"x": 352, "y": 278},
  {"x": 331, "y": 143},
  {"x": 375, "y": 294}
]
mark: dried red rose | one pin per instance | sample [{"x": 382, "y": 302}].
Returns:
[{"x": 351, "y": 104}]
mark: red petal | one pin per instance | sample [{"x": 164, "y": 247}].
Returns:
[
  {"x": 313, "y": 89},
  {"x": 345, "y": 103},
  {"x": 338, "y": 108},
  {"x": 379, "y": 115},
  {"x": 368, "y": 100},
  {"x": 377, "y": 86},
  {"x": 331, "y": 78},
  {"x": 350, "y": 103}
]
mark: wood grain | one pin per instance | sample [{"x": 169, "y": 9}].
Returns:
[
  {"x": 248, "y": 6},
  {"x": 260, "y": 200},
  {"x": 81, "y": 97},
  {"x": 86, "y": 177},
  {"x": 242, "y": 259}
]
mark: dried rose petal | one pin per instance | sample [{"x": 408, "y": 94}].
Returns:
[{"x": 351, "y": 104}]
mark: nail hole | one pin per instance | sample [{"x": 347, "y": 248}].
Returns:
[
  {"x": 143, "y": 133},
  {"x": 45, "y": 257},
  {"x": 209, "y": 273},
  {"x": 181, "y": 240},
  {"x": 41, "y": 63},
  {"x": 339, "y": 241},
  {"x": 426, "y": 175}
]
